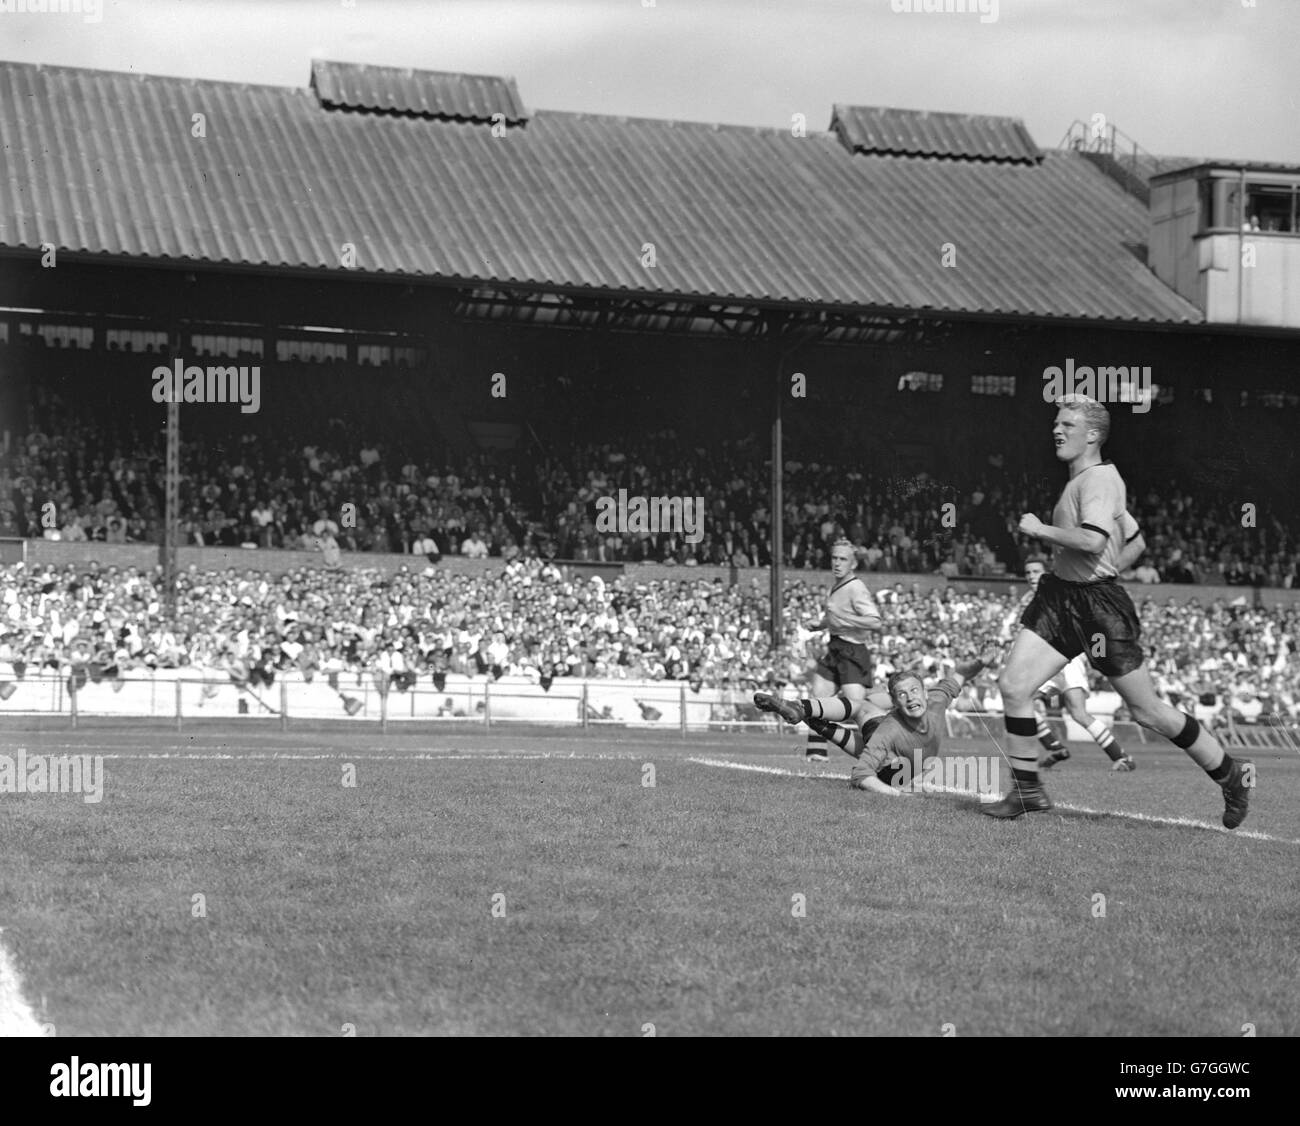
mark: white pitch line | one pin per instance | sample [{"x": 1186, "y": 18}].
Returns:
[
  {"x": 929, "y": 787},
  {"x": 16, "y": 1016},
  {"x": 361, "y": 756},
  {"x": 1179, "y": 822}
]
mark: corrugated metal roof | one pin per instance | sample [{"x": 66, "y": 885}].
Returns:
[
  {"x": 440, "y": 94},
  {"x": 884, "y": 131},
  {"x": 106, "y": 163}
]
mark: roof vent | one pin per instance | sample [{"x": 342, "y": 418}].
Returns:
[
  {"x": 441, "y": 95},
  {"x": 881, "y": 131}
]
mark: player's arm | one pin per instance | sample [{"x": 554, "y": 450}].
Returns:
[
  {"x": 1134, "y": 543},
  {"x": 967, "y": 670},
  {"x": 874, "y": 785},
  {"x": 850, "y": 620},
  {"x": 1099, "y": 499},
  {"x": 1085, "y": 539},
  {"x": 873, "y": 756}
]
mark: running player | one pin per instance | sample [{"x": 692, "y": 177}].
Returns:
[
  {"x": 1081, "y": 608},
  {"x": 852, "y": 617},
  {"x": 1072, "y": 681},
  {"x": 884, "y": 745}
]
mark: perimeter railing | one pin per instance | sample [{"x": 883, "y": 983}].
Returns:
[
  {"x": 183, "y": 697},
  {"x": 186, "y": 696}
]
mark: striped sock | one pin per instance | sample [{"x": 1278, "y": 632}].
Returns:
[
  {"x": 1045, "y": 736},
  {"x": 1106, "y": 740},
  {"x": 1024, "y": 770},
  {"x": 835, "y": 708},
  {"x": 847, "y": 737}
]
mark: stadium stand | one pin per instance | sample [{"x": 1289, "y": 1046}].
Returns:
[
  {"x": 530, "y": 618},
  {"x": 287, "y": 474}
]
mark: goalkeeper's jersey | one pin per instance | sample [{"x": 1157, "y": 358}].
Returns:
[{"x": 899, "y": 737}]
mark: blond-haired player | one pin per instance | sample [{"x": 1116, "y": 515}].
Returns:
[
  {"x": 853, "y": 619},
  {"x": 1080, "y": 607}
]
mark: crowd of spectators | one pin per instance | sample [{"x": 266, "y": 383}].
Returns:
[
  {"x": 535, "y": 619},
  {"x": 70, "y": 480}
]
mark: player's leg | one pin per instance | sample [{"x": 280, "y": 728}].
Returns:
[
  {"x": 829, "y": 716},
  {"x": 1031, "y": 662},
  {"x": 848, "y": 666},
  {"x": 1115, "y": 619},
  {"x": 1235, "y": 777},
  {"x": 1076, "y": 701},
  {"x": 873, "y": 706},
  {"x": 855, "y": 693},
  {"x": 1056, "y": 750},
  {"x": 821, "y": 683},
  {"x": 843, "y": 731}
]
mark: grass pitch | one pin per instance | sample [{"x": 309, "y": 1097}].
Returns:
[{"x": 532, "y": 883}]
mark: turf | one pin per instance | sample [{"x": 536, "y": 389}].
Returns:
[{"x": 624, "y": 905}]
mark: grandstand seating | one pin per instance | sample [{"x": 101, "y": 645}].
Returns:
[{"x": 528, "y": 618}]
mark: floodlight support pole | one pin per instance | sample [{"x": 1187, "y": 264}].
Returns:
[
  {"x": 172, "y": 515},
  {"x": 777, "y": 509}
]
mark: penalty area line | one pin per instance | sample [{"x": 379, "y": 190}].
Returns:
[{"x": 1176, "y": 822}]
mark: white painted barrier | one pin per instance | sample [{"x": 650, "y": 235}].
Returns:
[{"x": 197, "y": 694}]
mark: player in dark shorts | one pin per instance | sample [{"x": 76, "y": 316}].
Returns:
[
  {"x": 889, "y": 745},
  {"x": 1071, "y": 683},
  {"x": 1081, "y": 608},
  {"x": 853, "y": 619}
]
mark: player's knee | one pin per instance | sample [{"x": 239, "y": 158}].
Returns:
[
  {"x": 1156, "y": 716},
  {"x": 1015, "y": 690}
]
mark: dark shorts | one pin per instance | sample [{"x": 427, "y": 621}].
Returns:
[
  {"x": 1096, "y": 619},
  {"x": 846, "y": 663}
]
